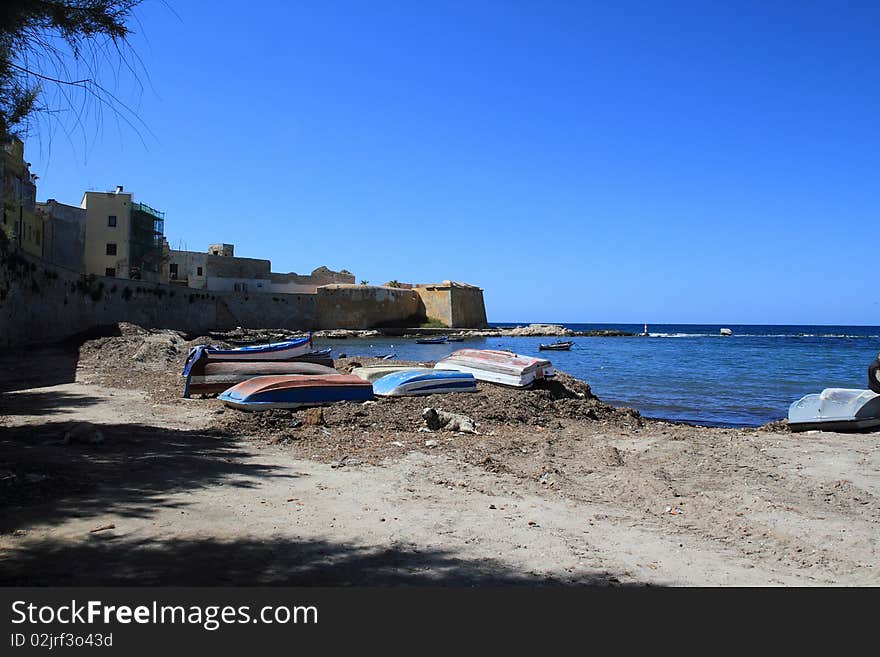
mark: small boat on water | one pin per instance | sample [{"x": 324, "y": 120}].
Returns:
[
  {"x": 406, "y": 384},
  {"x": 439, "y": 339},
  {"x": 555, "y": 346},
  {"x": 504, "y": 367},
  {"x": 836, "y": 409},
  {"x": 378, "y": 371},
  {"x": 208, "y": 377},
  {"x": 455, "y": 339},
  {"x": 273, "y": 351},
  {"x": 726, "y": 331},
  {"x": 293, "y": 391}
]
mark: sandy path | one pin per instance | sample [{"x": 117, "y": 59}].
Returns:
[{"x": 261, "y": 517}]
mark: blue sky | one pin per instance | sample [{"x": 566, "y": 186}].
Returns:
[{"x": 671, "y": 162}]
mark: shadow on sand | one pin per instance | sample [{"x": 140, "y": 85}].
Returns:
[
  {"x": 135, "y": 472},
  {"x": 132, "y": 472},
  {"x": 109, "y": 561}
]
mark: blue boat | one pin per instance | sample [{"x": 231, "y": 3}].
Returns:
[
  {"x": 409, "y": 383},
  {"x": 293, "y": 391},
  {"x": 286, "y": 350}
]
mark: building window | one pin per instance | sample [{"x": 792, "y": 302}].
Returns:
[
  {"x": 37, "y": 235},
  {"x": 172, "y": 269},
  {"x": 111, "y": 248},
  {"x": 110, "y": 271},
  {"x": 111, "y": 221},
  {"x": 198, "y": 271}
]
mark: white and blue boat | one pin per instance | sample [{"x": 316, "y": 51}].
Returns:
[
  {"x": 410, "y": 383},
  {"x": 376, "y": 372},
  {"x": 836, "y": 409},
  {"x": 273, "y": 351},
  {"x": 293, "y": 391}
]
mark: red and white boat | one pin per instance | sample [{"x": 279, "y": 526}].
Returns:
[
  {"x": 207, "y": 377},
  {"x": 504, "y": 367},
  {"x": 292, "y": 391}
]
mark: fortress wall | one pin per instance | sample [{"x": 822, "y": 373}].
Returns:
[
  {"x": 40, "y": 302},
  {"x": 366, "y": 306},
  {"x": 457, "y": 306}
]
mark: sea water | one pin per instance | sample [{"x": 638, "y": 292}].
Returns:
[{"x": 684, "y": 372}]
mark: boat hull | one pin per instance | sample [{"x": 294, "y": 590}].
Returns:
[
  {"x": 836, "y": 409},
  {"x": 503, "y": 367},
  {"x": 430, "y": 382},
  {"x": 438, "y": 340},
  {"x": 286, "y": 350},
  {"x": 559, "y": 346},
  {"x": 207, "y": 377},
  {"x": 296, "y": 391},
  {"x": 377, "y": 372}
]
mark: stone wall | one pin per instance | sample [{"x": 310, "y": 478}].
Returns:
[
  {"x": 366, "y": 306},
  {"x": 468, "y": 307},
  {"x": 234, "y": 267},
  {"x": 40, "y": 302},
  {"x": 457, "y": 305},
  {"x": 293, "y": 283}
]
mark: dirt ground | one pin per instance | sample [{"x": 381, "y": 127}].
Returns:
[{"x": 556, "y": 488}]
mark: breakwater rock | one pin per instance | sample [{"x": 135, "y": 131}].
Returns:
[{"x": 543, "y": 330}]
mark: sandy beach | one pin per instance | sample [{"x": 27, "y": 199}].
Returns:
[{"x": 556, "y": 488}]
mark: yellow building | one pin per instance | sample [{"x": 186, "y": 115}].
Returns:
[
  {"x": 20, "y": 222},
  {"x": 123, "y": 238}
]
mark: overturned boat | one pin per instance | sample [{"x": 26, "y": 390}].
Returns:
[
  {"x": 293, "y": 391},
  {"x": 504, "y": 367},
  {"x": 208, "y": 377},
  {"x": 378, "y": 371},
  {"x": 272, "y": 351},
  {"x": 836, "y": 409},
  {"x": 405, "y": 384}
]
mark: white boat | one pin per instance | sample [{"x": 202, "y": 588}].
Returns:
[
  {"x": 377, "y": 372},
  {"x": 836, "y": 409},
  {"x": 504, "y": 367},
  {"x": 407, "y": 384},
  {"x": 726, "y": 331}
]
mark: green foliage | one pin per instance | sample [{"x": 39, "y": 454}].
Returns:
[
  {"x": 433, "y": 322},
  {"x": 44, "y": 43},
  {"x": 365, "y": 282}
]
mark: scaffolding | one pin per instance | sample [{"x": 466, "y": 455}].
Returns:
[{"x": 147, "y": 234}]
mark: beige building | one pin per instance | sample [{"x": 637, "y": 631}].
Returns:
[
  {"x": 188, "y": 268},
  {"x": 123, "y": 238},
  {"x": 220, "y": 270}
]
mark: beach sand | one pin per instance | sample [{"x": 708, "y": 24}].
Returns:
[{"x": 555, "y": 489}]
